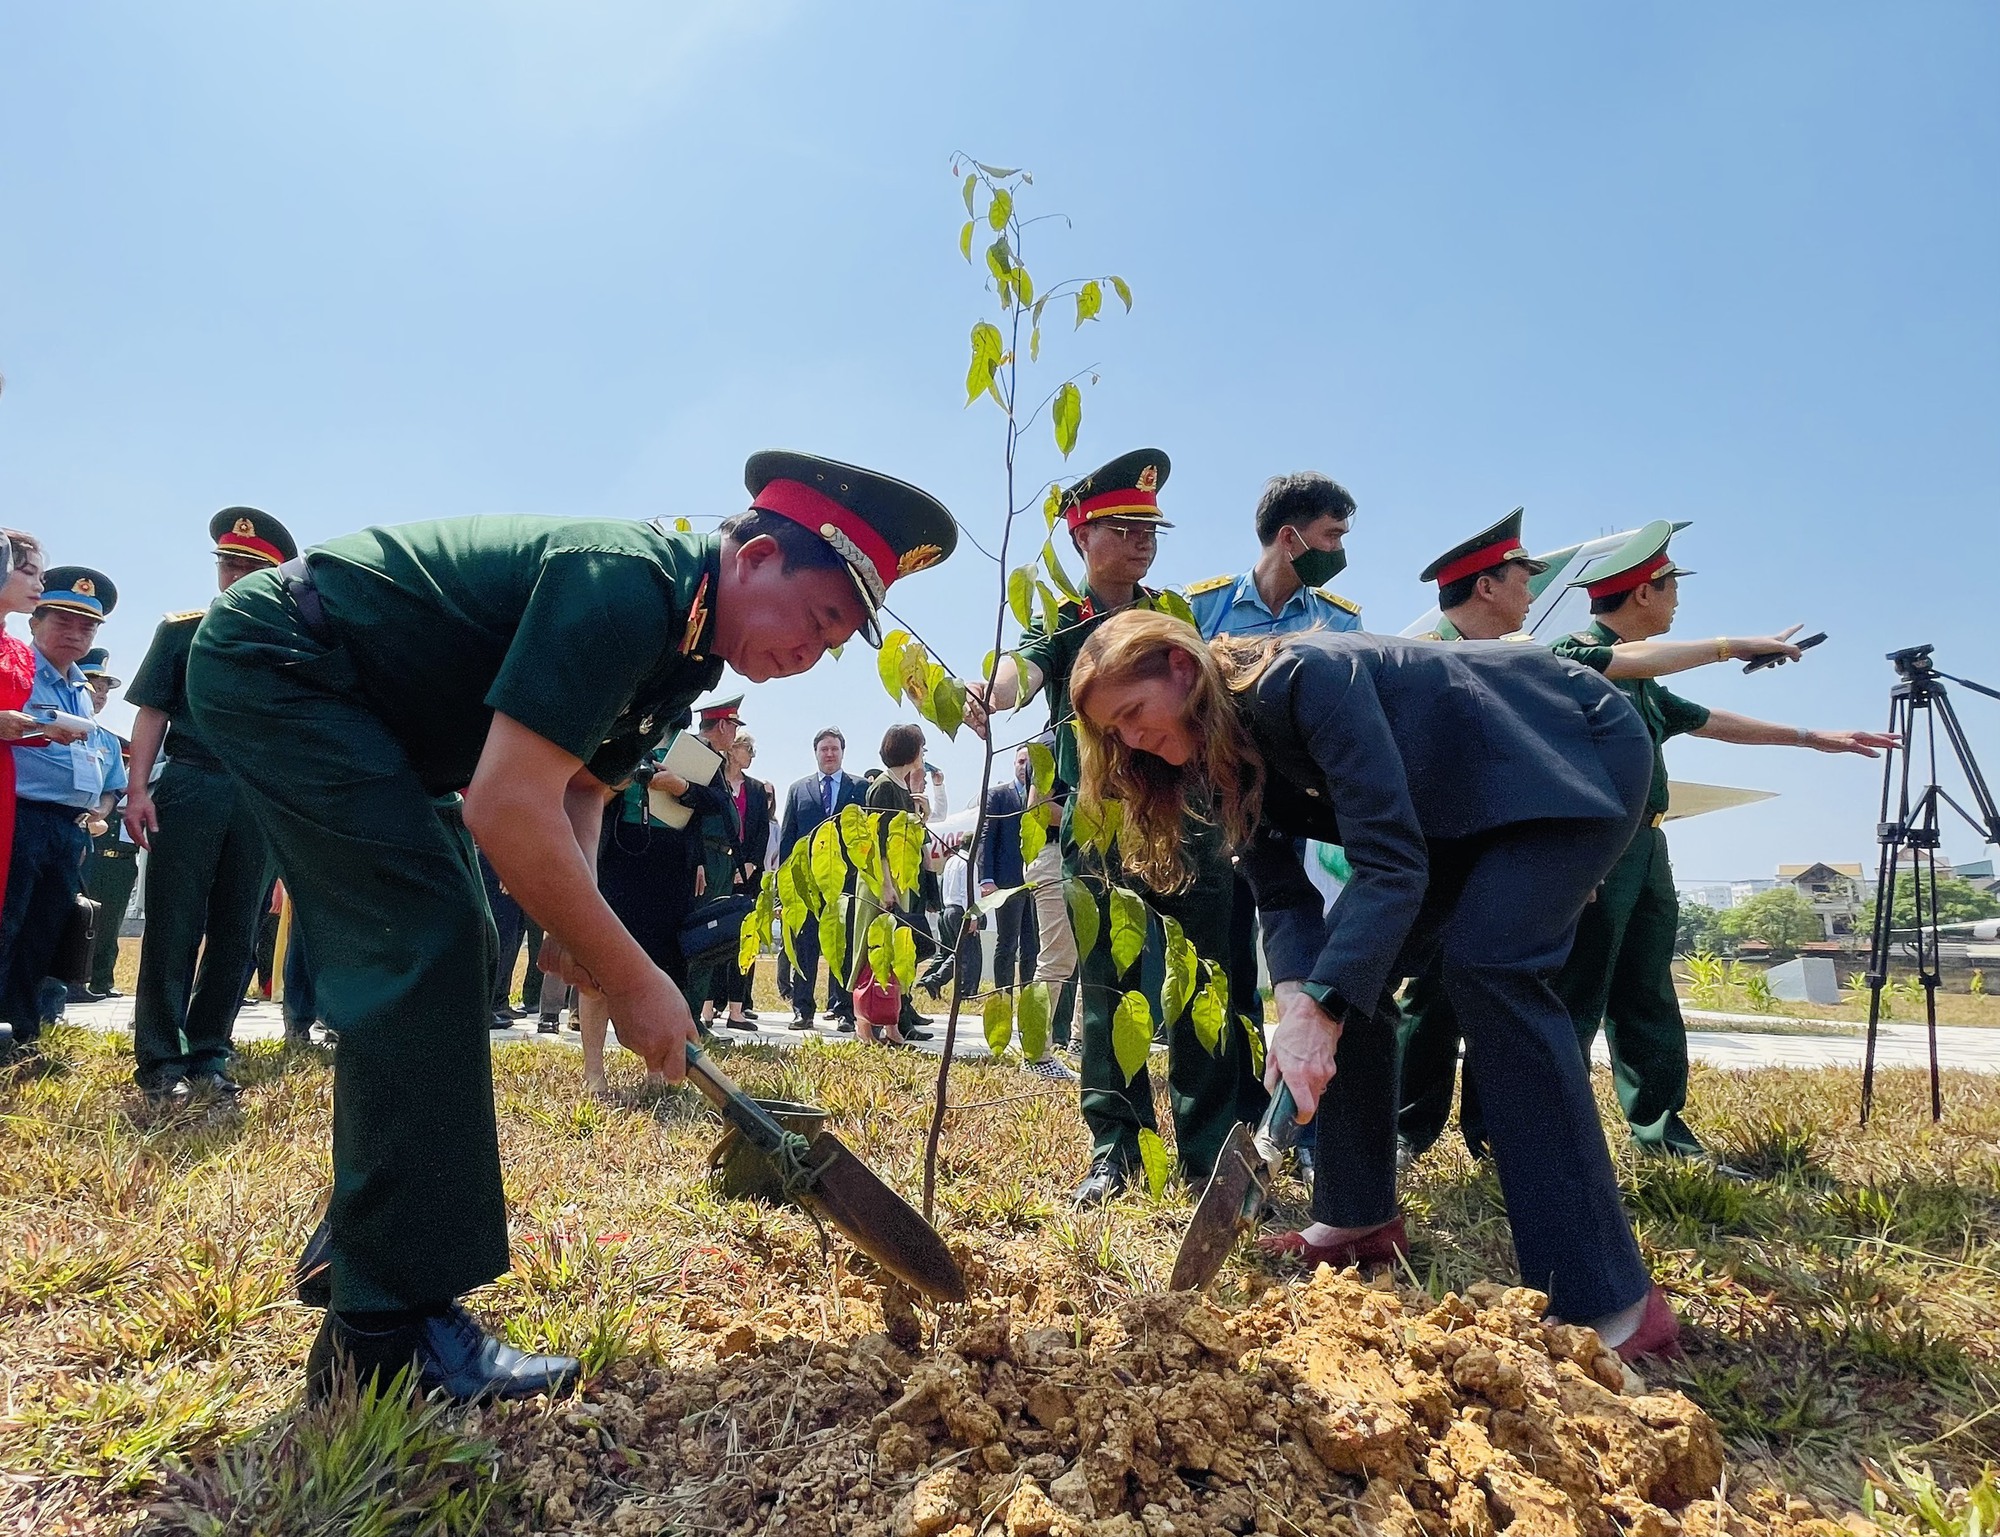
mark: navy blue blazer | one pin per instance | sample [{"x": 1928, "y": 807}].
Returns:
[
  {"x": 1000, "y": 860},
  {"x": 804, "y": 810},
  {"x": 1384, "y": 746}
]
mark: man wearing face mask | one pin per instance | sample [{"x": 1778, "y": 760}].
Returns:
[{"x": 1301, "y": 520}]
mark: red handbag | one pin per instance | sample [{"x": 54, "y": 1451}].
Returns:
[{"x": 880, "y": 1003}]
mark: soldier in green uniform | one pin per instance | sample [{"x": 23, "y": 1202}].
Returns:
[
  {"x": 208, "y": 872},
  {"x": 529, "y": 663},
  {"x": 1619, "y": 972},
  {"x": 113, "y": 864},
  {"x": 1485, "y": 588},
  {"x": 1114, "y": 520}
]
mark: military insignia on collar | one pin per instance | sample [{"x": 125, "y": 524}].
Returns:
[
  {"x": 244, "y": 526},
  {"x": 918, "y": 558},
  {"x": 1149, "y": 478},
  {"x": 697, "y": 617},
  {"x": 85, "y": 587}
]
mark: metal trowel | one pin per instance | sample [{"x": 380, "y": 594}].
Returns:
[
  {"x": 1234, "y": 1197},
  {"x": 826, "y": 1179}
]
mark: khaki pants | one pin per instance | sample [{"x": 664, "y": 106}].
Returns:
[{"x": 1056, "y": 962}]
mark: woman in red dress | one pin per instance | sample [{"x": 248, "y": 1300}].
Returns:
[{"x": 20, "y": 587}]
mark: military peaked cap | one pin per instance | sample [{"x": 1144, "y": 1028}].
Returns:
[
  {"x": 1128, "y": 487},
  {"x": 1641, "y": 559},
  {"x": 79, "y": 590},
  {"x": 882, "y": 528},
  {"x": 252, "y": 535},
  {"x": 1487, "y": 550}
]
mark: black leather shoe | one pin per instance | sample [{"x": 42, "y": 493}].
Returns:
[
  {"x": 312, "y": 1272},
  {"x": 214, "y": 1081},
  {"x": 846, "y": 1025},
  {"x": 451, "y": 1353},
  {"x": 1106, "y": 1178},
  {"x": 745, "y": 1023},
  {"x": 801, "y": 1022},
  {"x": 501, "y": 1022},
  {"x": 750, "y": 1014},
  {"x": 168, "y": 1091}
]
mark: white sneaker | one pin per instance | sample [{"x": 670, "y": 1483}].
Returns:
[{"x": 1052, "y": 1071}]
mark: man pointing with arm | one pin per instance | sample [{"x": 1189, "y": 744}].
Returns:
[{"x": 529, "y": 663}]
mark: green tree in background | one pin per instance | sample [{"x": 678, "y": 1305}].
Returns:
[
  {"x": 1781, "y": 918},
  {"x": 1958, "y": 901},
  {"x": 1700, "y": 929}
]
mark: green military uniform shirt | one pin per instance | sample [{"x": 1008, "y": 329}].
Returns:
[
  {"x": 161, "y": 684},
  {"x": 591, "y": 634},
  {"x": 1055, "y": 653},
  {"x": 1665, "y": 713}
]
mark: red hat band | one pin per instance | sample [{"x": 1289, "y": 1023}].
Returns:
[
  {"x": 854, "y": 536},
  {"x": 1477, "y": 561},
  {"x": 1627, "y": 581},
  {"x": 249, "y": 544},
  {"x": 1127, "y": 502}
]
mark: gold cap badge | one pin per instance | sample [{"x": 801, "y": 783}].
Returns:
[
  {"x": 85, "y": 587},
  {"x": 919, "y": 558},
  {"x": 245, "y": 526},
  {"x": 1149, "y": 478}
]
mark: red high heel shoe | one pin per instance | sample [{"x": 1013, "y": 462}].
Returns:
[{"x": 1385, "y": 1246}]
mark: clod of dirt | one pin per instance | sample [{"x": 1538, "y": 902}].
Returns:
[{"x": 1328, "y": 1407}]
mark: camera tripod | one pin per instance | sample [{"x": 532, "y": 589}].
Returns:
[{"x": 1917, "y": 703}]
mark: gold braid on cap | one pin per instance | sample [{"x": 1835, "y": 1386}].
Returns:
[{"x": 849, "y": 551}]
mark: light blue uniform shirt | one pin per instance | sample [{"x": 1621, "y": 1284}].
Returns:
[
  {"x": 1235, "y": 607},
  {"x": 75, "y": 775}
]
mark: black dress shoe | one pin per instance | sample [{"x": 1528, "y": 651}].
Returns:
[
  {"x": 85, "y": 995},
  {"x": 312, "y": 1272},
  {"x": 745, "y": 1023},
  {"x": 846, "y": 1025},
  {"x": 501, "y": 1021},
  {"x": 1106, "y": 1178},
  {"x": 545, "y": 1026},
  {"x": 801, "y": 1022},
  {"x": 451, "y": 1353},
  {"x": 750, "y": 1014},
  {"x": 214, "y": 1081},
  {"x": 167, "y": 1091}
]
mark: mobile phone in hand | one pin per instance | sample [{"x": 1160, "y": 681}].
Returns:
[{"x": 1774, "y": 658}]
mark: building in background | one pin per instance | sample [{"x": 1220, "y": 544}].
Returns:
[{"x": 1838, "y": 893}]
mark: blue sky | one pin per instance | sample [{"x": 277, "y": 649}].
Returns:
[{"x": 370, "y": 262}]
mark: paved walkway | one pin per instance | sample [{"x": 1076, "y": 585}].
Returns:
[{"x": 1901, "y": 1045}]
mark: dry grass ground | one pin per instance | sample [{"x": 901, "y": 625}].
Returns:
[{"x": 1844, "y": 1308}]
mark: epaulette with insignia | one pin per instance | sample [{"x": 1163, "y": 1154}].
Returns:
[
  {"x": 1338, "y": 601},
  {"x": 1195, "y": 589},
  {"x": 184, "y": 616},
  {"x": 1584, "y": 638}
]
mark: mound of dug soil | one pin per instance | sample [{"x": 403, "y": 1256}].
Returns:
[{"x": 1324, "y": 1407}]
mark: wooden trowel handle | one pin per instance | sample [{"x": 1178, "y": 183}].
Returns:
[{"x": 738, "y": 1108}]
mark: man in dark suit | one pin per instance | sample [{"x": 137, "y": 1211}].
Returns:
[
  {"x": 1000, "y": 867},
  {"x": 809, "y": 802}
]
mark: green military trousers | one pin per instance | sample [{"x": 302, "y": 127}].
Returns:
[
  {"x": 1620, "y": 974},
  {"x": 1209, "y": 1094},
  {"x": 108, "y": 877},
  {"x": 387, "y": 894},
  {"x": 207, "y": 878}
]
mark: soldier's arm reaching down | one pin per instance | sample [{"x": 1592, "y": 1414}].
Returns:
[{"x": 534, "y": 810}]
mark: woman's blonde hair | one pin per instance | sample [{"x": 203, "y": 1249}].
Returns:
[{"x": 1222, "y": 781}]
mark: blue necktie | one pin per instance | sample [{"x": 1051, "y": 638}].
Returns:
[{"x": 826, "y": 793}]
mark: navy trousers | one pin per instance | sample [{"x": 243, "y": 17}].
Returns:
[
  {"x": 42, "y": 886},
  {"x": 1500, "y": 914}
]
